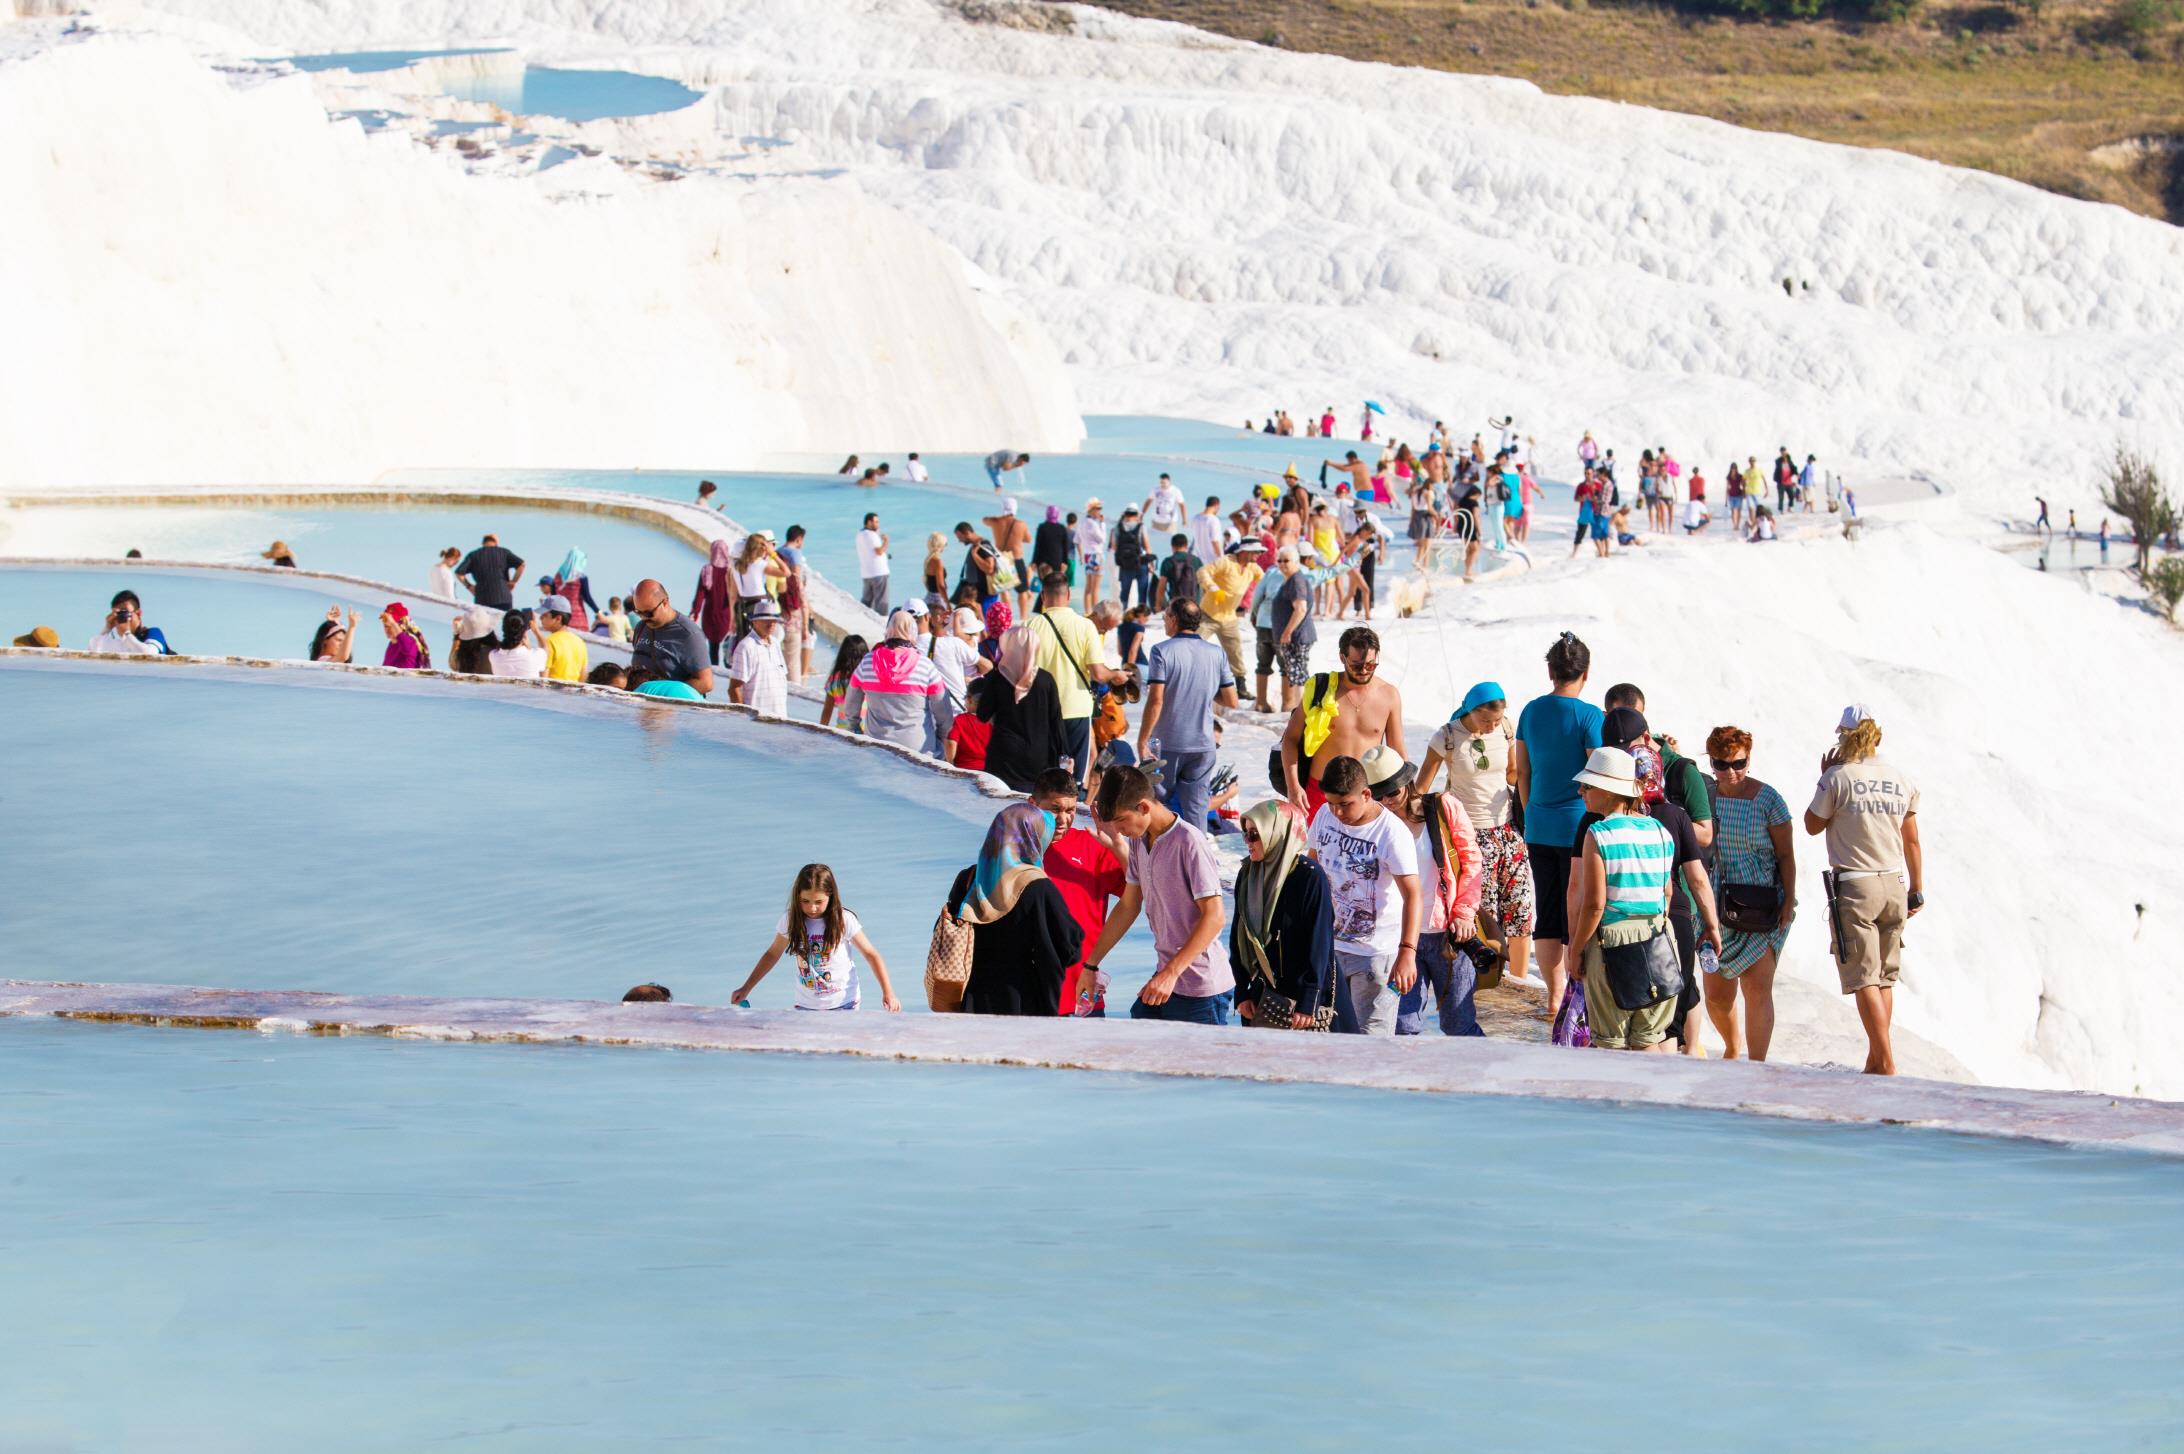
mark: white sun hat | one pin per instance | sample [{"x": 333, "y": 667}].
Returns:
[{"x": 1612, "y": 770}]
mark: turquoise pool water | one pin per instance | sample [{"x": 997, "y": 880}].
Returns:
[
  {"x": 831, "y": 507},
  {"x": 397, "y": 545},
  {"x": 203, "y": 615},
  {"x": 572, "y": 95},
  {"x": 343, "y": 833},
  {"x": 364, "y": 62},
  {"x": 575, "y": 95},
  {"x": 363, "y": 1244}
]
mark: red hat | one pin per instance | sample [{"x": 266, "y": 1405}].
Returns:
[{"x": 398, "y": 611}]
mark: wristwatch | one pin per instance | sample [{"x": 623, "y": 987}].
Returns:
[{"x": 1916, "y": 900}]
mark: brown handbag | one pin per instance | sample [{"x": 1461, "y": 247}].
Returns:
[{"x": 948, "y": 961}]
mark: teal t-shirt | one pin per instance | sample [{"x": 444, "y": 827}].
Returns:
[
  {"x": 1558, "y": 734},
  {"x": 680, "y": 691}
]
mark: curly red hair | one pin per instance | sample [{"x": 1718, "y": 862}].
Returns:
[{"x": 1728, "y": 743}]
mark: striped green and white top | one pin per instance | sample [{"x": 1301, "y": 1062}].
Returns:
[{"x": 1639, "y": 854}]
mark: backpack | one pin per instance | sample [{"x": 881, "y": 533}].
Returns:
[{"x": 1129, "y": 546}]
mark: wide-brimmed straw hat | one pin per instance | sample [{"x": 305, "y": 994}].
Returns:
[
  {"x": 1611, "y": 770},
  {"x": 1386, "y": 771}
]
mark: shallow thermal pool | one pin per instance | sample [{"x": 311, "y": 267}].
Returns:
[
  {"x": 831, "y": 506},
  {"x": 275, "y": 1241},
  {"x": 571, "y": 95},
  {"x": 396, "y": 544},
  {"x": 574, "y": 95},
  {"x": 213, "y": 613},
  {"x": 332, "y": 831}
]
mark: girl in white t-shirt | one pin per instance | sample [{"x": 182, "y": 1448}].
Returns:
[{"x": 826, "y": 977}]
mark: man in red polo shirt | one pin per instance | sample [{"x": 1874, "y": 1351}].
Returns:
[{"x": 1080, "y": 864}]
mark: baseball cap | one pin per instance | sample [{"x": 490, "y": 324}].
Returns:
[
  {"x": 1008, "y": 506},
  {"x": 1623, "y": 726},
  {"x": 1853, "y": 714},
  {"x": 916, "y": 606},
  {"x": 559, "y": 605}
]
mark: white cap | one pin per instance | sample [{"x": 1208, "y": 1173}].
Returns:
[
  {"x": 915, "y": 606},
  {"x": 1853, "y": 714},
  {"x": 1008, "y": 506}
]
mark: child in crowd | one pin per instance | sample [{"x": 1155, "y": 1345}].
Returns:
[
  {"x": 823, "y": 932},
  {"x": 1129, "y": 636},
  {"x": 614, "y": 621},
  {"x": 610, "y": 674},
  {"x": 852, "y": 652}
]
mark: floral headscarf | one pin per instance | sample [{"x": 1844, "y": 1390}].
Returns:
[
  {"x": 1650, "y": 774},
  {"x": 998, "y": 618},
  {"x": 1008, "y": 862}
]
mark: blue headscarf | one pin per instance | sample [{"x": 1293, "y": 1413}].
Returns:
[
  {"x": 1479, "y": 695},
  {"x": 573, "y": 566},
  {"x": 1008, "y": 862}
]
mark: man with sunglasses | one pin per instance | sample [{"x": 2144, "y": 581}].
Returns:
[
  {"x": 1368, "y": 712},
  {"x": 668, "y": 643}
]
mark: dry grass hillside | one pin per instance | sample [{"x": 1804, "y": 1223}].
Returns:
[{"x": 2086, "y": 99}]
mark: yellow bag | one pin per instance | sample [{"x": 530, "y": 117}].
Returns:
[{"x": 1320, "y": 710}]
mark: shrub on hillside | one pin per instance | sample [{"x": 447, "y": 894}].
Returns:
[
  {"x": 1875, "y": 10},
  {"x": 2166, "y": 584},
  {"x": 2131, "y": 486}
]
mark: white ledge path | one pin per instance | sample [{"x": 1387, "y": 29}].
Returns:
[{"x": 1428, "y": 1064}]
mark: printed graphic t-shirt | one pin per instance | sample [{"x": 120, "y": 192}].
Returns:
[
  {"x": 1362, "y": 865},
  {"x": 828, "y": 983}
]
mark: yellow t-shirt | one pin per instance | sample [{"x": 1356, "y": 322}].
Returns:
[
  {"x": 566, "y": 658},
  {"x": 1222, "y": 586},
  {"x": 1068, "y": 645}
]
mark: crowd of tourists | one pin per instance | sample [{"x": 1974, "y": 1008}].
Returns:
[
  {"x": 1570, "y": 839},
  {"x": 1570, "y": 836}
]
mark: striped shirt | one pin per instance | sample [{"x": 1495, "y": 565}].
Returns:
[{"x": 1639, "y": 854}]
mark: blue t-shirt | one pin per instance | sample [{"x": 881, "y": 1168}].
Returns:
[
  {"x": 1558, "y": 734},
  {"x": 1190, "y": 671}
]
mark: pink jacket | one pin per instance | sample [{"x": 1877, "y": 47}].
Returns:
[{"x": 1455, "y": 889}]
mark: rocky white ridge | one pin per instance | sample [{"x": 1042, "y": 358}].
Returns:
[{"x": 213, "y": 282}]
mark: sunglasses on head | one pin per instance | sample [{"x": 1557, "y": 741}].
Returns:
[{"x": 1730, "y": 764}]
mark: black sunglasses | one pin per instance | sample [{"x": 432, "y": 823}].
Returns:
[{"x": 1725, "y": 764}]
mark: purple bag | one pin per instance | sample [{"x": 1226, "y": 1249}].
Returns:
[{"x": 1570, "y": 1026}]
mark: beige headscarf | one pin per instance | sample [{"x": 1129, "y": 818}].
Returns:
[{"x": 1020, "y": 658}]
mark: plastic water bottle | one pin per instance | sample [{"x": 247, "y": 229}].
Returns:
[{"x": 1709, "y": 961}]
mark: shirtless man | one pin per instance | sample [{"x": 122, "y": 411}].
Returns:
[
  {"x": 1369, "y": 713},
  {"x": 1010, "y": 537},
  {"x": 1361, "y": 478}
]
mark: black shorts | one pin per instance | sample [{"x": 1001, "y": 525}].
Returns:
[
  {"x": 1686, "y": 930},
  {"x": 1550, "y": 890}
]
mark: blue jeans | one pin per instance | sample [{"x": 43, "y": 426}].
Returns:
[
  {"x": 1188, "y": 1009},
  {"x": 1188, "y": 783},
  {"x": 1077, "y": 742},
  {"x": 1454, "y": 980},
  {"x": 1138, "y": 578}
]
